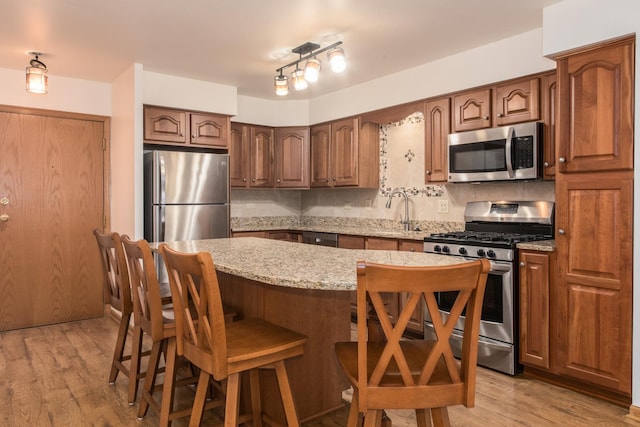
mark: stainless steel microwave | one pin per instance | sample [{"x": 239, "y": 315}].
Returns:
[{"x": 496, "y": 154}]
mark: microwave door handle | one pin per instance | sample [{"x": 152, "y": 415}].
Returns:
[{"x": 510, "y": 135}]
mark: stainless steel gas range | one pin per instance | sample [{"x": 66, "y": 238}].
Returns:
[{"x": 492, "y": 230}]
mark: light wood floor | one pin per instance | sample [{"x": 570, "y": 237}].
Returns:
[{"x": 57, "y": 376}]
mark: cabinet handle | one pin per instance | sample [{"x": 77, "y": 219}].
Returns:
[
  {"x": 412, "y": 250},
  {"x": 181, "y": 134},
  {"x": 278, "y": 181},
  {"x": 485, "y": 118},
  {"x": 428, "y": 172},
  {"x": 244, "y": 179},
  {"x": 253, "y": 180},
  {"x": 4, "y": 217},
  {"x": 546, "y": 164},
  {"x": 561, "y": 231},
  {"x": 500, "y": 115},
  {"x": 562, "y": 160},
  {"x": 522, "y": 264},
  {"x": 334, "y": 178},
  {"x": 193, "y": 136},
  {"x": 4, "y": 201}
]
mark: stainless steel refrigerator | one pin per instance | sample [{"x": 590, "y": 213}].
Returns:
[{"x": 186, "y": 197}]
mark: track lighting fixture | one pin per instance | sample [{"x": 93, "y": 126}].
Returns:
[
  {"x": 302, "y": 77},
  {"x": 37, "y": 75}
]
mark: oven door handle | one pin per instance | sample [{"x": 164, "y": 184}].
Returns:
[{"x": 496, "y": 265}]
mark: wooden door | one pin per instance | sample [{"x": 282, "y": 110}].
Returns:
[
  {"x": 262, "y": 151},
  {"x": 472, "y": 110},
  {"x": 517, "y": 102},
  {"x": 209, "y": 130},
  {"x": 292, "y": 157},
  {"x": 344, "y": 152},
  {"x": 596, "y": 109},
  {"x": 436, "y": 132},
  {"x": 320, "y": 155},
  {"x": 595, "y": 267},
  {"x": 239, "y": 154},
  {"x": 52, "y": 196},
  {"x": 535, "y": 268}
]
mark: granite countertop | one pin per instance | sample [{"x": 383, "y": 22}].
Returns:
[
  {"x": 543, "y": 245},
  {"x": 296, "y": 265}
]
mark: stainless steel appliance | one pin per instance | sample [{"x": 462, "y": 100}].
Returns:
[
  {"x": 492, "y": 231},
  {"x": 322, "y": 239},
  {"x": 496, "y": 154},
  {"x": 186, "y": 197}
]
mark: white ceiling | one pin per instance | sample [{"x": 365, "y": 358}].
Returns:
[{"x": 242, "y": 42}]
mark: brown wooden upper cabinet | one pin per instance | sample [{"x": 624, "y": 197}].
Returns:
[
  {"x": 549, "y": 96},
  {"x": 513, "y": 101},
  {"x": 345, "y": 153},
  {"x": 292, "y": 157},
  {"x": 596, "y": 110},
  {"x": 264, "y": 157},
  {"x": 178, "y": 127},
  {"x": 437, "y": 127}
]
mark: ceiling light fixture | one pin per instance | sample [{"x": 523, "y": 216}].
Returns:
[
  {"x": 281, "y": 85},
  {"x": 37, "y": 75},
  {"x": 308, "y": 52}
]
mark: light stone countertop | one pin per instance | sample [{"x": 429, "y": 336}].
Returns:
[
  {"x": 298, "y": 265},
  {"x": 544, "y": 246}
]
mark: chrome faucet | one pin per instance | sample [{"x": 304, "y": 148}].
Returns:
[{"x": 406, "y": 223}]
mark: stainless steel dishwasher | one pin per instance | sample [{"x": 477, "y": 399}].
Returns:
[{"x": 322, "y": 239}]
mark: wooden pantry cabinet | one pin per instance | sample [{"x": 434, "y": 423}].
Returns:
[
  {"x": 168, "y": 126},
  {"x": 513, "y": 101},
  {"x": 594, "y": 217},
  {"x": 345, "y": 153},
  {"x": 437, "y": 117}
]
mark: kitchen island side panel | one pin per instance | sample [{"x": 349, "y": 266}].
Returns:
[{"x": 323, "y": 315}]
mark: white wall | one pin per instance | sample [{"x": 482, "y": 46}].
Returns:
[
  {"x": 126, "y": 153},
  {"x": 267, "y": 112},
  {"x": 513, "y": 57},
  {"x": 574, "y": 23},
  {"x": 179, "y": 92},
  {"x": 65, "y": 94}
]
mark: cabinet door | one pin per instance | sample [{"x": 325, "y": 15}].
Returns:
[
  {"x": 517, "y": 102},
  {"x": 534, "y": 308},
  {"x": 292, "y": 157},
  {"x": 596, "y": 109},
  {"x": 210, "y": 130},
  {"x": 165, "y": 125},
  {"x": 262, "y": 149},
  {"x": 437, "y": 128},
  {"x": 320, "y": 155},
  {"x": 239, "y": 154},
  {"x": 549, "y": 95},
  {"x": 472, "y": 110},
  {"x": 344, "y": 152},
  {"x": 594, "y": 220}
]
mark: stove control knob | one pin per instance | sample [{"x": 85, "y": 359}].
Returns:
[
  {"x": 491, "y": 253},
  {"x": 437, "y": 248},
  {"x": 445, "y": 249},
  {"x": 462, "y": 251},
  {"x": 480, "y": 252}
]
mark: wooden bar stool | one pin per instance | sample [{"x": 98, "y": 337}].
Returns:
[
  {"x": 414, "y": 374},
  {"x": 224, "y": 351},
  {"x": 118, "y": 293},
  {"x": 154, "y": 316}
]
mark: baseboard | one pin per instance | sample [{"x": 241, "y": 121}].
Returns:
[{"x": 634, "y": 413}]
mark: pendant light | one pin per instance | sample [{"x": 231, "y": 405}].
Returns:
[
  {"x": 336, "y": 59},
  {"x": 37, "y": 75},
  {"x": 281, "y": 85},
  {"x": 312, "y": 70},
  {"x": 299, "y": 83}
]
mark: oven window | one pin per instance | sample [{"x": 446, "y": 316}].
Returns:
[
  {"x": 478, "y": 157},
  {"x": 492, "y": 306}
]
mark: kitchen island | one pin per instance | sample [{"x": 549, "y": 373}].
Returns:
[{"x": 306, "y": 288}]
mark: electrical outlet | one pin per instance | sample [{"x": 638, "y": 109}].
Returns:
[
  {"x": 443, "y": 206},
  {"x": 347, "y": 205}
]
